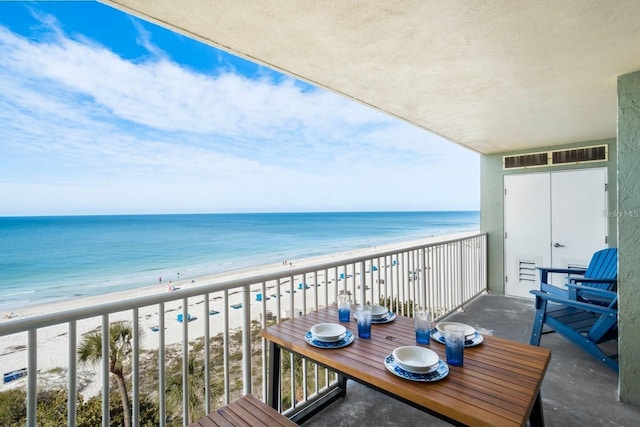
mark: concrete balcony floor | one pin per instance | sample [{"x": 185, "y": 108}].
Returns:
[{"x": 577, "y": 389}]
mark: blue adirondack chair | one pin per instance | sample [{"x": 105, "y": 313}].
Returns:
[
  {"x": 585, "y": 324},
  {"x": 601, "y": 273}
]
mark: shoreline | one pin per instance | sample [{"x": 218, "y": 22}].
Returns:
[
  {"x": 110, "y": 254},
  {"x": 52, "y": 341},
  {"x": 255, "y": 270}
]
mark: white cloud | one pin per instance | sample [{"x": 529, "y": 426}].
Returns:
[{"x": 86, "y": 131}]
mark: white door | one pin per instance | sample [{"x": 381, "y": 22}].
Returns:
[
  {"x": 578, "y": 217},
  {"x": 552, "y": 219},
  {"x": 527, "y": 225}
]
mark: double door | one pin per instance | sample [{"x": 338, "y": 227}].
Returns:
[{"x": 555, "y": 219}]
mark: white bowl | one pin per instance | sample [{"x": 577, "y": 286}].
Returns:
[
  {"x": 378, "y": 311},
  {"x": 469, "y": 331},
  {"x": 328, "y": 332},
  {"x": 415, "y": 359}
]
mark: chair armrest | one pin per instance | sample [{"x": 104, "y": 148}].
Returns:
[
  {"x": 592, "y": 295},
  {"x": 544, "y": 272},
  {"x": 553, "y": 290},
  {"x": 563, "y": 270},
  {"x": 592, "y": 280},
  {"x": 594, "y": 291},
  {"x": 573, "y": 303}
]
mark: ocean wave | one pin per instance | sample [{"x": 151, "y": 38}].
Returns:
[{"x": 20, "y": 293}]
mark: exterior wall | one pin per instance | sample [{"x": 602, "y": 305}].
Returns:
[
  {"x": 629, "y": 237},
  {"x": 492, "y": 202}
]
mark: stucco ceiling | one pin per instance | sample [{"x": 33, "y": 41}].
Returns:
[{"x": 491, "y": 75}]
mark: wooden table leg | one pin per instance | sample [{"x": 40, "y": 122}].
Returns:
[{"x": 536, "y": 419}]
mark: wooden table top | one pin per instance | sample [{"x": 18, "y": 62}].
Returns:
[{"x": 497, "y": 385}]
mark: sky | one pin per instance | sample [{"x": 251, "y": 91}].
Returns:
[{"x": 104, "y": 113}]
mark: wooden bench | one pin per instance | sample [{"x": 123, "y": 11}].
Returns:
[{"x": 247, "y": 411}]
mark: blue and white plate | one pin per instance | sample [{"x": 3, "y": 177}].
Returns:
[
  {"x": 389, "y": 317},
  {"x": 436, "y": 375},
  {"x": 348, "y": 339},
  {"x": 471, "y": 342}
]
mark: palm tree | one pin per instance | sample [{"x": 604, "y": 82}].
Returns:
[
  {"x": 195, "y": 373},
  {"x": 298, "y": 372},
  {"x": 297, "y": 366},
  {"x": 90, "y": 351}
]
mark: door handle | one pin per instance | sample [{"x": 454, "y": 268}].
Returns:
[{"x": 558, "y": 245}]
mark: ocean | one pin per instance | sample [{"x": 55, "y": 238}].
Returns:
[{"x": 46, "y": 259}]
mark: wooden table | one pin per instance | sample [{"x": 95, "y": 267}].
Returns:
[{"x": 499, "y": 384}]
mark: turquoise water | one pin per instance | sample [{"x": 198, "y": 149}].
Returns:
[{"x": 44, "y": 259}]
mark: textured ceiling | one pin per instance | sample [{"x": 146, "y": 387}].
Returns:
[{"x": 490, "y": 75}]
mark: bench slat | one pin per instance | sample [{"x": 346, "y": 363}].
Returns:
[{"x": 246, "y": 411}]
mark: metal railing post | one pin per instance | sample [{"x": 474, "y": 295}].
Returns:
[
  {"x": 185, "y": 362},
  {"x": 73, "y": 375},
  {"x": 207, "y": 356},
  {"x": 32, "y": 376},
  {"x": 105, "y": 371},
  {"x": 246, "y": 340},
  {"x": 135, "y": 370},
  {"x": 461, "y": 274},
  {"x": 162, "y": 409}
]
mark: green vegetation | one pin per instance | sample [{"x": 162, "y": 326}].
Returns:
[
  {"x": 196, "y": 380},
  {"x": 52, "y": 404},
  {"x": 90, "y": 351},
  {"x": 52, "y": 410},
  {"x": 13, "y": 408},
  {"x": 407, "y": 306}
]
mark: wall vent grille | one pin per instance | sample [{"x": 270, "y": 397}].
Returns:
[
  {"x": 579, "y": 155},
  {"x": 595, "y": 153},
  {"x": 526, "y": 160},
  {"x": 527, "y": 270}
]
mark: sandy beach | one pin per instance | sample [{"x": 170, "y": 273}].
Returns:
[{"x": 52, "y": 341}]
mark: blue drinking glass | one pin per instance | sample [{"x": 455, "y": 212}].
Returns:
[
  {"x": 344, "y": 309},
  {"x": 454, "y": 344},
  {"x": 363, "y": 315},
  {"x": 422, "y": 322},
  {"x": 423, "y": 336}
]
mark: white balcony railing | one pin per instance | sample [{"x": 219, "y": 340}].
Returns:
[{"x": 442, "y": 275}]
